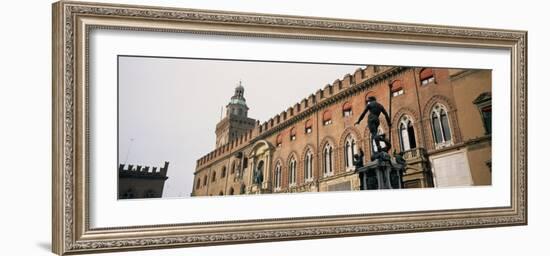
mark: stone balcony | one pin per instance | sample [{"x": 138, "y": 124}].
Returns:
[{"x": 416, "y": 155}]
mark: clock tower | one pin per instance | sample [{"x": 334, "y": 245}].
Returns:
[{"x": 236, "y": 121}]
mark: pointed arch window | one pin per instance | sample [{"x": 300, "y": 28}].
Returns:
[
  {"x": 407, "y": 138},
  {"x": 278, "y": 176},
  {"x": 308, "y": 166},
  {"x": 198, "y": 184},
  {"x": 205, "y": 180},
  {"x": 350, "y": 145},
  {"x": 440, "y": 126},
  {"x": 327, "y": 160},
  {"x": 213, "y": 177},
  {"x": 292, "y": 172}
]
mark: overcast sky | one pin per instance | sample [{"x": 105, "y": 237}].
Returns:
[{"x": 168, "y": 108}]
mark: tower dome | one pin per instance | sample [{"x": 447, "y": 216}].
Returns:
[{"x": 238, "y": 97}]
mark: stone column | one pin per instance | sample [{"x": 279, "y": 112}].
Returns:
[{"x": 267, "y": 170}]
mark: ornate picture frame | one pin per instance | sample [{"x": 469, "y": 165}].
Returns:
[{"x": 72, "y": 23}]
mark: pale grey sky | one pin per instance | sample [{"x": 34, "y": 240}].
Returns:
[{"x": 170, "y": 107}]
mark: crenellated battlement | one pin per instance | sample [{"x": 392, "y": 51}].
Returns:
[
  {"x": 142, "y": 171},
  {"x": 360, "y": 76}
]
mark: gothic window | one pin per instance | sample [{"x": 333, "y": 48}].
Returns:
[
  {"x": 407, "y": 139},
  {"x": 278, "y": 175},
  {"x": 279, "y": 140},
  {"x": 221, "y": 193},
  {"x": 205, "y": 180},
  {"x": 440, "y": 126},
  {"x": 327, "y": 117},
  {"x": 292, "y": 172},
  {"x": 213, "y": 177},
  {"x": 346, "y": 109},
  {"x": 243, "y": 189},
  {"x": 426, "y": 76},
  {"x": 349, "y": 150},
  {"x": 483, "y": 103},
  {"x": 293, "y": 133},
  {"x": 198, "y": 183},
  {"x": 231, "y": 191},
  {"x": 327, "y": 160},
  {"x": 308, "y": 126},
  {"x": 233, "y": 167},
  {"x": 308, "y": 165}
]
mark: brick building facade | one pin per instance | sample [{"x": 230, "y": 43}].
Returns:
[{"x": 441, "y": 120}]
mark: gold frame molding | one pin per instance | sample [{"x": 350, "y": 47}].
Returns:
[{"x": 72, "y": 22}]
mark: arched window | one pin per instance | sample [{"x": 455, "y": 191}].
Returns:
[
  {"x": 426, "y": 76},
  {"x": 231, "y": 191},
  {"x": 279, "y": 141},
  {"x": 327, "y": 117},
  {"x": 309, "y": 126},
  {"x": 440, "y": 126},
  {"x": 346, "y": 109},
  {"x": 293, "y": 133},
  {"x": 213, "y": 176},
  {"x": 243, "y": 189},
  {"x": 308, "y": 165},
  {"x": 483, "y": 103},
  {"x": 221, "y": 193},
  {"x": 407, "y": 139},
  {"x": 233, "y": 167},
  {"x": 327, "y": 160},
  {"x": 205, "y": 180},
  {"x": 292, "y": 171},
  {"x": 198, "y": 183},
  {"x": 278, "y": 175},
  {"x": 349, "y": 150},
  {"x": 223, "y": 172},
  {"x": 397, "y": 88}
]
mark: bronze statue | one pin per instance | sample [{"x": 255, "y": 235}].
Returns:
[
  {"x": 374, "y": 108},
  {"x": 259, "y": 174},
  {"x": 358, "y": 163}
]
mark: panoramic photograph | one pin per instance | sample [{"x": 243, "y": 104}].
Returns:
[{"x": 191, "y": 127}]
